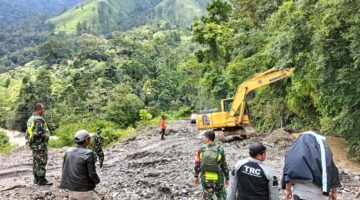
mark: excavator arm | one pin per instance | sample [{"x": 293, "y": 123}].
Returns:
[{"x": 251, "y": 84}]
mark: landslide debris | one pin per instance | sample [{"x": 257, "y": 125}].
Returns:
[{"x": 146, "y": 167}]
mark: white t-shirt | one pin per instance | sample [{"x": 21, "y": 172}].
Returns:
[{"x": 306, "y": 189}]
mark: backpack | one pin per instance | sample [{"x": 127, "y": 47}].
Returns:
[{"x": 209, "y": 161}]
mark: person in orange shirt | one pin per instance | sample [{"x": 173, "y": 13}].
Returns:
[{"x": 163, "y": 127}]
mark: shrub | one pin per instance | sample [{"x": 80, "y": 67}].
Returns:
[
  {"x": 111, "y": 133},
  {"x": 145, "y": 115},
  {"x": 5, "y": 146},
  {"x": 184, "y": 111}
]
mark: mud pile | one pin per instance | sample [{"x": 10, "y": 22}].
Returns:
[{"x": 146, "y": 167}]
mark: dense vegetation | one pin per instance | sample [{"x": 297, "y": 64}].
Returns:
[
  {"x": 18, "y": 42},
  {"x": 125, "y": 77},
  {"x": 318, "y": 37},
  {"x": 17, "y": 11},
  {"x": 94, "y": 80}
]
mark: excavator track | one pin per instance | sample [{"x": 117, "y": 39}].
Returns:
[{"x": 235, "y": 134}]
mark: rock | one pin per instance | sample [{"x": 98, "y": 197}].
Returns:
[
  {"x": 164, "y": 189},
  {"x": 185, "y": 191}
]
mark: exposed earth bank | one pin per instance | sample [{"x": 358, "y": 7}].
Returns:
[{"x": 146, "y": 167}]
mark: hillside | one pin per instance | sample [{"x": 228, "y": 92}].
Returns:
[
  {"x": 16, "y": 11},
  {"x": 103, "y": 16}
]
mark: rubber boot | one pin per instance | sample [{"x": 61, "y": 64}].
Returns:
[
  {"x": 42, "y": 181},
  {"x": 36, "y": 179}
]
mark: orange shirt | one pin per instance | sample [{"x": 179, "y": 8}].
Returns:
[{"x": 162, "y": 124}]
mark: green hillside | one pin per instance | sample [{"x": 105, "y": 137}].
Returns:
[{"x": 103, "y": 16}]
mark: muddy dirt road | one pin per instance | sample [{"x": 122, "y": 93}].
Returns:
[{"x": 146, "y": 167}]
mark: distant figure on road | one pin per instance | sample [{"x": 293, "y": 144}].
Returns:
[
  {"x": 97, "y": 146},
  {"x": 37, "y": 135},
  {"x": 210, "y": 164},
  {"x": 78, "y": 171},
  {"x": 309, "y": 167},
  {"x": 163, "y": 127},
  {"x": 251, "y": 179}
]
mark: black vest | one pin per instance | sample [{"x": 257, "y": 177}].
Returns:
[{"x": 252, "y": 182}]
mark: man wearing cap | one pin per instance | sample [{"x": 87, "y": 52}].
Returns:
[
  {"x": 78, "y": 171},
  {"x": 251, "y": 179}
]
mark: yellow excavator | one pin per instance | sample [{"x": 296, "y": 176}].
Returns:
[{"x": 234, "y": 118}]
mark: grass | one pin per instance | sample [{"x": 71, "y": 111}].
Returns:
[
  {"x": 5, "y": 146},
  {"x": 6, "y": 149},
  {"x": 181, "y": 12},
  {"x": 68, "y": 21}
]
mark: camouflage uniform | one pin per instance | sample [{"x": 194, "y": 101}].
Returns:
[
  {"x": 38, "y": 137},
  {"x": 97, "y": 148},
  {"x": 211, "y": 187}
]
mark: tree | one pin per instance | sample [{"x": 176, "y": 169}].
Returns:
[
  {"x": 55, "y": 50},
  {"x": 124, "y": 106}
]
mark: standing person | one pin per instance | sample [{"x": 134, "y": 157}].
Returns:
[
  {"x": 163, "y": 127},
  {"x": 251, "y": 179},
  {"x": 309, "y": 167},
  {"x": 78, "y": 171},
  {"x": 37, "y": 135},
  {"x": 210, "y": 164},
  {"x": 97, "y": 146}
]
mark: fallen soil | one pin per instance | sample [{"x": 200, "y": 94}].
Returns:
[{"x": 146, "y": 167}]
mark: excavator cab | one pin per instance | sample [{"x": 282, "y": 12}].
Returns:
[{"x": 226, "y": 104}]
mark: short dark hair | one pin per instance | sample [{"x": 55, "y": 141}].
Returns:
[
  {"x": 80, "y": 143},
  {"x": 256, "y": 148},
  {"x": 254, "y": 154},
  {"x": 210, "y": 135},
  {"x": 37, "y": 106}
]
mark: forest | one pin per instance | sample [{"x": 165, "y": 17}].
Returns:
[{"x": 128, "y": 78}]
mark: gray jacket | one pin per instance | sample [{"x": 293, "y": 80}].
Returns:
[
  {"x": 251, "y": 179},
  {"x": 78, "y": 170}
]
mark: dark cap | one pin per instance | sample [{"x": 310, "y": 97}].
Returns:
[{"x": 256, "y": 147}]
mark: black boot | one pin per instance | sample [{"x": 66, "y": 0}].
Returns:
[
  {"x": 42, "y": 181},
  {"x": 36, "y": 179}
]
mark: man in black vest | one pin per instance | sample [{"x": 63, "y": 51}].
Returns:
[{"x": 251, "y": 179}]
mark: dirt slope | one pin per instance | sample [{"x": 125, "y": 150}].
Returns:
[{"x": 146, "y": 167}]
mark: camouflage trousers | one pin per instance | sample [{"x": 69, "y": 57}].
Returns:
[
  {"x": 211, "y": 188},
  {"x": 99, "y": 155},
  {"x": 40, "y": 157}
]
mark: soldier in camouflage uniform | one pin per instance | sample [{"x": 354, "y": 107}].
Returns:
[
  {"x": 212, "y": 182},
  {"x": 97, "y": 146},
  {"x": 37, "y": 138}
]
